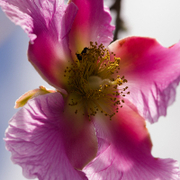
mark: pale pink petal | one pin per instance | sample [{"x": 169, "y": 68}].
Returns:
[
  {"x": 125, "y": 151},
  {"x": 47, "y": 144},
  {"x": 92, "y": 23},
  {"x": 152, "y": 71},
  {"x": 47, "y": 23},
  {"x": 36, "y": 17}
]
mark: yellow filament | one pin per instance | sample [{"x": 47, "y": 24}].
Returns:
[{"x": 90, "y": 81}]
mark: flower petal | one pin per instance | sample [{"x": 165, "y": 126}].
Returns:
[
  {"x": 47, "y": 144},
  {"x": 50, "y": 55},
  {"x": 49, "y": 58},
  {"x": 152, "y": 71},
  {"x": 92, "y": 23},
  {"x": 48, "y": 24},
  {"x": 125, "y": 151},
  {"x": 38, "y": 17}
]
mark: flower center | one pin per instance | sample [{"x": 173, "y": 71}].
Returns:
[{"x": 91, "y": 84}]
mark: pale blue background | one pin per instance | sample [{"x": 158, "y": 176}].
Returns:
[{"x": 155, "y": 18}]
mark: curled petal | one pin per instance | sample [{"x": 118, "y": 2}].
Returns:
[
  {"x": 44, "y": 144},
  {"x": 92, "y": 23},
  {"x": 152, "y": 71},
  {"x": 31, "y": 94},
  {"x": 125, "y": 151}
]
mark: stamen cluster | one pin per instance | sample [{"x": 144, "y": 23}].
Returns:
[{"x": 90, "y": 82}]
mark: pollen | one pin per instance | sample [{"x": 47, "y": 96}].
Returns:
[{"x": 93, "y": 82}]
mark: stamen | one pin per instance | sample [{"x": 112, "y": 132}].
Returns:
[{"x": 90, "y": 82}]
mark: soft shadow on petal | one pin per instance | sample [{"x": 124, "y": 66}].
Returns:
[
  {"x": 44, "y": 144},
  {"x": 92, "y": 23},
  {"x": 152, "y": 71},
  {"x": 126, "y": 154}
]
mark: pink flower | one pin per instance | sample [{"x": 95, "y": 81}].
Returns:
[{"x": 91, "y": 127}]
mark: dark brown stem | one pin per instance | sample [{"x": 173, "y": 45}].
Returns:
[{"x": 118, "y": 22}]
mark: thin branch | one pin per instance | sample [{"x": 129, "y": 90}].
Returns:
[{"x": 118, "y": 22}]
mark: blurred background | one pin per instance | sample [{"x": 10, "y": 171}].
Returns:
[{"x": 153, "y": 18}]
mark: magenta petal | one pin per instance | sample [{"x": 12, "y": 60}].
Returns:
[
  {"x": 152, "y": 71},
  {"x": 49, "y": 58},
  {"x": 125, "y": 151},
  {"x": 92, "y": 23},
  {"x": 50, "y": 54},
  {"x": 43, "y": 143},
  {"x": 48, "y": 24}
]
